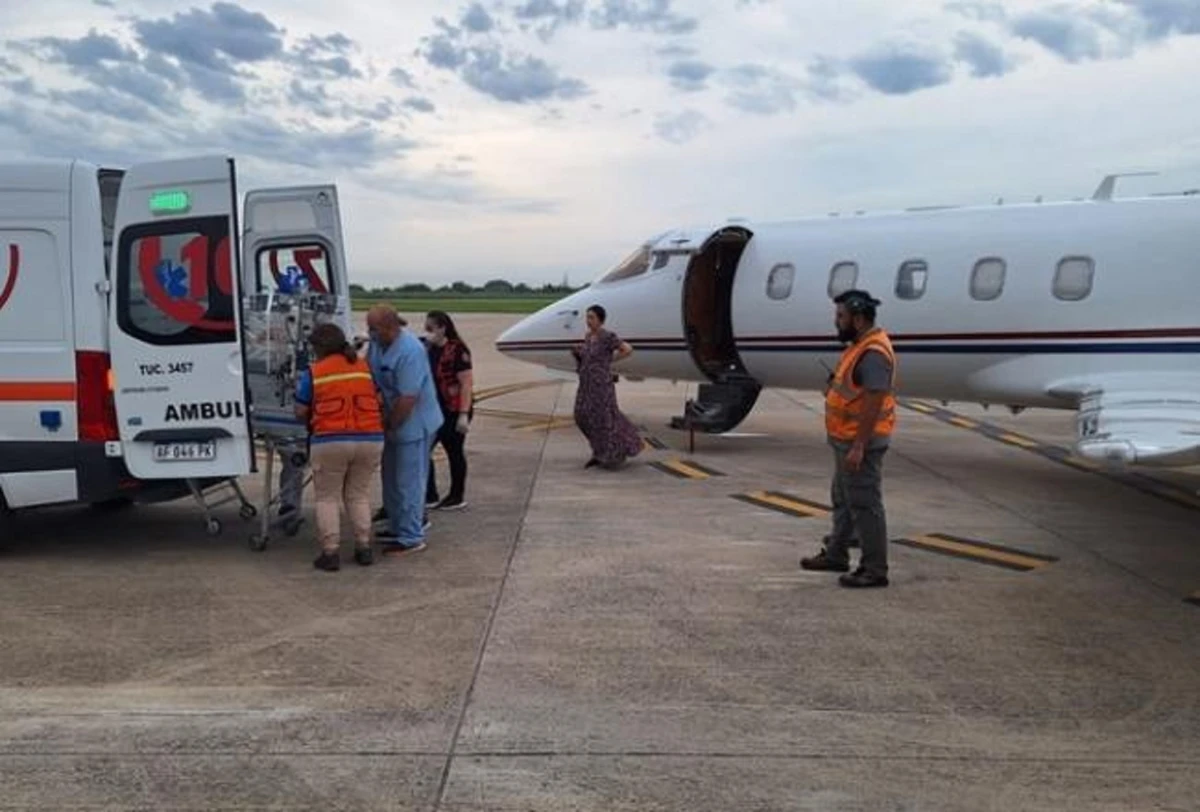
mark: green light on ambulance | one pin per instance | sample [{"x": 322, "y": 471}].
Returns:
[{"x": 170, "y": 202}]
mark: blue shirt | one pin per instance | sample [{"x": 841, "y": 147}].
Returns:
[
  {"x": 304, "y": 397},
  {"x": 402, "y": 370}
]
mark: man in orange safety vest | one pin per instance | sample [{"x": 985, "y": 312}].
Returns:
[{"x": 860, "y": 415}]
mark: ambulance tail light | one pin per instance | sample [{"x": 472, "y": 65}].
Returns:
[{"x": 94, "y": 402}]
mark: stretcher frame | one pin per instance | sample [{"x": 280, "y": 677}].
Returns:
[{"x": 276, "y": 433}]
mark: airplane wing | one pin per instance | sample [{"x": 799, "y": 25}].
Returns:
[{"x": 1142, "y": 422}]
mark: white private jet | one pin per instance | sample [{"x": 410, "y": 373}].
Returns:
[{"x": 1091, "y": 305}]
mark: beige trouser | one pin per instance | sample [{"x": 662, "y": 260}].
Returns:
[{"x": 344, "y": 471}]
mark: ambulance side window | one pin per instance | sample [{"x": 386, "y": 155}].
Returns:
[
  {"x": 279, "y": 267},
  {"x": 175, "y": 284},
  {"x": 110, "y": 188}
]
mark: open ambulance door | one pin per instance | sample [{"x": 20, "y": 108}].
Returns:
[
  {"x": 175, "y": 323},
  {"x": 294, "y": 274},
  {"x": 295, "y": 234}
]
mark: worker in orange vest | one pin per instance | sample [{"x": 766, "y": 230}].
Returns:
[
  {"x": 336, "y": 397},
  {"x": 860, "y": 415}
]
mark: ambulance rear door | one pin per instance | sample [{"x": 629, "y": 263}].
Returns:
[
  {"x": 294, "y": 235},
  {"x": 175, "y": 322},
  {"x": 294, "y": 274}
]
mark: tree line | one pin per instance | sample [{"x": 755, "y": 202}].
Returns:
[{"x": 494, "y": 287}]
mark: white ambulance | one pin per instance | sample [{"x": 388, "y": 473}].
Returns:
[{"x": 123, "y": 313}]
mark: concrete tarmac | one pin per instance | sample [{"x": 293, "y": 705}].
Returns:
[{"x": 640, "y": 639}]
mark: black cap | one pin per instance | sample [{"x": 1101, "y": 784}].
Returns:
[{"x": 857, "y": 301}]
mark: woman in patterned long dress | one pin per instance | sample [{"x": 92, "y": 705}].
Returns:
[{"x": 612, "y": 437}]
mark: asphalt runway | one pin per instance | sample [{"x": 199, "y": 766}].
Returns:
[{"x": 633, "y": 640}]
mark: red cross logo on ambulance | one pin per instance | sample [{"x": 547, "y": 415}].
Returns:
[{"x": 8, "y": 280}]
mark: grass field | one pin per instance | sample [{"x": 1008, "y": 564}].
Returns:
[{"x": 460, "y": 304}]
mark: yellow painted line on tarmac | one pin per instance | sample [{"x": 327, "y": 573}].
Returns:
[
  {"x": 978, "y": 551},
  {"x": 552, "y": 424},
  {"x": 1017, "y": 439},
  {"x": 784, "y": 503},
  {"x": 512, "y": 415},
  {"x": 685, "y": 469},
  {"x": 1082, "y": 463},
  {"x": 1064, "y": 456},
  {"x": 480, "y": 395}
]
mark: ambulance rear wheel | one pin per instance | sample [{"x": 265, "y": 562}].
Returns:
[
  {"x": 213, "y": 527},
  {"x": 258, "y": 543}
]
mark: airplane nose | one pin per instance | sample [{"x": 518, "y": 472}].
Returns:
[
  {"x": 543, "y": 338},
  {"x": 513, "y": 334}
]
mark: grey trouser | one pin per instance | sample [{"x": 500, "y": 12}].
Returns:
[
  {"x": 857, "y": 499},
  {"x": 291, "y": 481}
]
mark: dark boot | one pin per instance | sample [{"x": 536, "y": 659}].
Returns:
[
  {"x": 364, "y": 556},
  {"x": 821, "y": 562},
  {"x": 330, "y": 562},
  {"x": 860, "y": 579}
]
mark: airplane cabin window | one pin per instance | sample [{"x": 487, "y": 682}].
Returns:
[
  {"x": 661, "y": 260},
  {"x": 636, "y": 263},
  {"x": 911, "y": 279},
  {"x": 842, "y": 278},
  {"x": 779, "y": 281},
  {"x": 1073, "y": 278},
  {"x": 987, "y": 279}
]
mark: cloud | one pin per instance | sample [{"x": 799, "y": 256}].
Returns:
[
  {"x": 104, "y": 3},
  {"x": 639, "y": 15},
  {"x": 420, "y": 104},
  {"x": 211, "y": 45},
  {"x": 445, "y": 52},
  {"x": 681, "y": 127},
  {"x": 357, "y": 147},
  {"x": 824, "y": 80},
  {"x": 106, "y": 63},
  {"x": 504, "y": 75},
  {"x": 1063, "y": 31},
  {"x": 901, "y": 68},
  {"x": 978, "y": 10},
  {"x": 326, "y": 57},
  {"x": 143, "y": 84},
  {"x": 689, "y": 75},
  {"x": 477, "y": 20},
  {"x": 984, "y": 57},
  {"x": 86, "y": 52},
  {"x": 547, "y": 16},
  {"x": 1166, "y": 17},
  {"x": 761, "y": 90},
  {"x": 1082, "y": 31},
  {"x": 517, "y": 78},
  {"x": 213, "y": 39},
  {"x": 676, "y": 51},
  {"x": 401, "y": 78}
]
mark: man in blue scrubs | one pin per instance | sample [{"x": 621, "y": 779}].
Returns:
[{"x": 412, "y": 417}]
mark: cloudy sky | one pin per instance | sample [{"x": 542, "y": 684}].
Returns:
[{"x": 529, "y": 139}]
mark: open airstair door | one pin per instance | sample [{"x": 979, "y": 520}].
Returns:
[
  {"x": 175, "y": 339},
  {"x": 295, "y": 277}
]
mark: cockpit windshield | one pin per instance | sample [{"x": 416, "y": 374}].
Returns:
[{"x": 636, "y": 263}]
